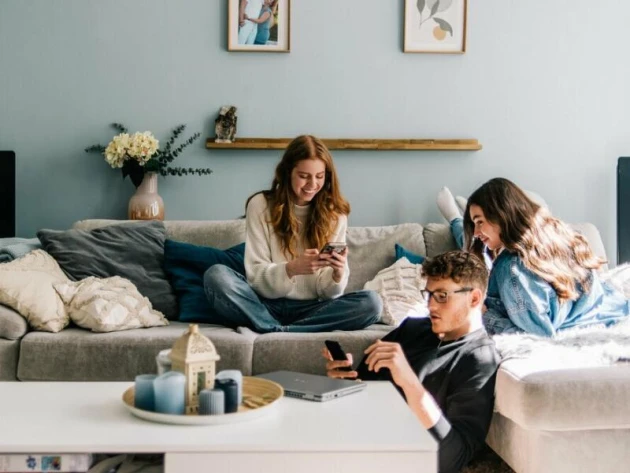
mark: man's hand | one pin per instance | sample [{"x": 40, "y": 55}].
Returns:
[
  {"x": 337, "y": 261},
  {"x": 390, "y": 355},
  {"x": 332, "y": 366},
  {"x": 307, "y": 263}
]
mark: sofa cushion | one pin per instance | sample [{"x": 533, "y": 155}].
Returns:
[
  {"x": 78, "y": 355},
  {"x": 371, "y": 249},
  {"x": 132, "y": 250},
  {"x": 302, "y": 351},
  {"x": 185, "y": 265},
  {"x": 438, "y": 239},
  {"x": 218, "y": 233},
  {"x": 108, "y": 305},
  {"x": 26, "y": 285},
  {"x": 9, "y": 353},
  {"x": 538, "y": 397},
  {"x": 12, "y": 325}
]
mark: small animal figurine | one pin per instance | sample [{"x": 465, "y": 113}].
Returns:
[{"x": 225, "y": 125}]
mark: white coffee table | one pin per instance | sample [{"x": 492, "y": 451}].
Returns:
[{"x": 371, "y": 431}]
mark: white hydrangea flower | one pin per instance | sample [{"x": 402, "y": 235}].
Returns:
[
  {"x": 143, "y": 146},
  {"x": 116, "y": 151},
  {"x": 139, "y": 146}
]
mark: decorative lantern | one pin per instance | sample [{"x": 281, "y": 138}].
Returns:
[{"x": 194, "y": 355}]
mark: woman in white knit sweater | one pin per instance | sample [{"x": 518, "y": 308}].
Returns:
[{"x": 289, "y": 285}]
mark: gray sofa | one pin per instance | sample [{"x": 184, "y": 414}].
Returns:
[{"x": 535, "y": 427}]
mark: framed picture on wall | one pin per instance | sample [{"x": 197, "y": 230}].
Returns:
[
  {"x": 435, "y": 26},
  {"x": 259, "y": 25}
]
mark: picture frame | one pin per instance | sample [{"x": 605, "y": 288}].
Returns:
[
  {"x": 435, "y": 26},
  {"x": 259, "y": 25}
]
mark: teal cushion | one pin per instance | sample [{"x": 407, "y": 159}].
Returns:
[
  {"x": 412, "y": 257},
  {"x": 185, "y": 265}
]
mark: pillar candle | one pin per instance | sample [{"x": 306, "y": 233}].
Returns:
[
  {"x": 237, "y": 376},
  {"x": 211, "y": 402},
  {"x": 170, "y": 393},
  {"x": 230, "y": 389},
  {"x": 144, "y": 397}
]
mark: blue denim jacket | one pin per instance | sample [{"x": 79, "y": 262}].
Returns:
[{"x": 519, "y": 300}]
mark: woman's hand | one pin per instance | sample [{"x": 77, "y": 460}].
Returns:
[
  {"x": 337, "y": 261},
  {"x": 332, "y": 366},
  {"x": 307, "y": 263}
]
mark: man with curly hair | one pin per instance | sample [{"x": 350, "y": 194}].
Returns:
[{"x": 444, "y": 365}]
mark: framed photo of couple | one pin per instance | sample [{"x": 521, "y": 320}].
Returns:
[
  {"x": 259, "y": 25},
  {"x": 435, "y": 26}
]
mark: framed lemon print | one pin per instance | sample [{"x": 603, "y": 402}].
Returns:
[{"x": 435, "y": 26}]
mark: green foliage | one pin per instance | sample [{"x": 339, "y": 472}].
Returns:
[{"x": 161, "y": 161}]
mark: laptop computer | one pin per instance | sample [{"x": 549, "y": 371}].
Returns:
[{"x": 313, "y": 387}]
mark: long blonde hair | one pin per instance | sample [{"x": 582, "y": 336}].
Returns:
[
  {"x": 326, "y": 207},
  {"x": 546, "y": 245}
]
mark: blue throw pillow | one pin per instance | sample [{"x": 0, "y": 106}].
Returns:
[
  {"x": 412, "y": 257},
  {"x": 185, "y": 265}
]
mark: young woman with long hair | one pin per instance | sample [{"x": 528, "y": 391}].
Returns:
[
  {"x": 544, "y": 274},
  {"x": 289, "y": 285}
]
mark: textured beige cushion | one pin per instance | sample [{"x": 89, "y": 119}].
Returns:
[
  {"x": 399, "y": 287},
  {"x": 26, "y": 285},
  {"x": 12, "y": 325},
  {"x": 108, "y": 305}
]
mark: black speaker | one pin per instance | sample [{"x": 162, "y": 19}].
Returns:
[
  {"x": 623, "y": 210},
  {"x": 7, "y": 194}
]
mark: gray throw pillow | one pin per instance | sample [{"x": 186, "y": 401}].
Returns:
[{"x": 131, "y": 250}]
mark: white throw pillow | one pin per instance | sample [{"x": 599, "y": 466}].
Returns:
[
  {"x": 399, "y": 286},
  {"x": 108, "y": 305},
  {"x": 26, "y": 285}
]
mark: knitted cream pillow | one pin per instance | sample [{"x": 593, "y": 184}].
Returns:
[
  {"x": 108, "y": 305},
  {"x": 26, "y": 285},
  {"x": 399, "y": 286}
]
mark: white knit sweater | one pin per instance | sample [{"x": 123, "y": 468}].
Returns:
[{"x": 265, "y": 262}]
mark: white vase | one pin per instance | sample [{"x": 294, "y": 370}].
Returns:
[{"x": 146, "y": 203}]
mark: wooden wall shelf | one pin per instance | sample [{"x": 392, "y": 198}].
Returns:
[{"x": 367, "y": 144}]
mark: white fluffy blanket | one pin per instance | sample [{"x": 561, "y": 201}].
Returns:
[{"x": 594, "y": 345}]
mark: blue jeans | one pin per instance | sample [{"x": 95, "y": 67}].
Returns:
[
  {"x": 231, "y": 296},
  {"x": 457, "y": 230}
]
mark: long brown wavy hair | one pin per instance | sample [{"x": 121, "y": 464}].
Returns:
[
  {"x": 546, "y": 245},
  {"x": 326, "y": 207}
]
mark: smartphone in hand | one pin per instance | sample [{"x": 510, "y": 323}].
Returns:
[
  {"x": 337, "y": 353},
  {"x": 334, "y": 246}
]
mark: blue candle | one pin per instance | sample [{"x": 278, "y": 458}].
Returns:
[
  {"x": 230, "y": 389},
  {"x": 144, "y": 397},
  {"x": 237, "y": 376},
  {"x": 211, "y": 402},
  {"x": 170, "y": 393}
]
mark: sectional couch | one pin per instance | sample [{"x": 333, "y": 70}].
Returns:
[{"x": 545, "y": 420}]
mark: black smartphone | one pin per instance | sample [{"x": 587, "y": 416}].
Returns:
[
  {"x": 336, "y": 246},
  {"x": 337, "y": 353}
]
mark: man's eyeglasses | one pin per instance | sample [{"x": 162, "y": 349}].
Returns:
[{"x": 441, "y": 297}]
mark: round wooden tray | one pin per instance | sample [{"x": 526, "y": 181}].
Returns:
[{"x": 260, "y": 397}]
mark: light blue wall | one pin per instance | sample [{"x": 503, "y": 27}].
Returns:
[{"x": 544, "y": 86}]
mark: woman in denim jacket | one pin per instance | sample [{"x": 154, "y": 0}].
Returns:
[{"x": 543, "y": 277}]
